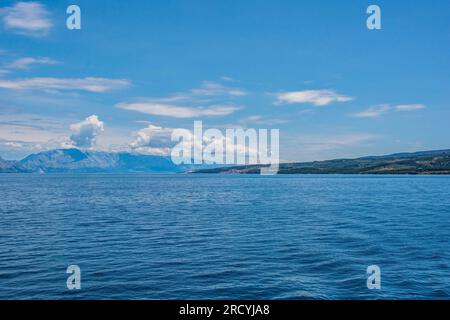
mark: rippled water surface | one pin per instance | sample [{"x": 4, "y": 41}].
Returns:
[{"x": 224, "y": 236}]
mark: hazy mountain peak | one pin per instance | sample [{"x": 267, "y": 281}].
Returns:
[{"x": 76, "y": 160}]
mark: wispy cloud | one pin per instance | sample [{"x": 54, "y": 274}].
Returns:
[
  {"x": 90, "y": 84},
  {"x": 318, "y": 98},
  {"x": 175, "y": 98},
  {"x": 29, "y": 129},
  {"x": 26, "y": 63},
  {"x": 211, "y": 99},
  {"x": 226, "y": 78},
  {"x": 27, "y": 18},
  {"x": 373, "y": 112},
  {"x": 209, "y": 88},
  {"x": 11, "y": 144},
  {"x": 380, "y": 110},
  {"x": 262, "y": 120},
  {"x": 409, "y": 107},
  {"x": 159, "y": 109}
]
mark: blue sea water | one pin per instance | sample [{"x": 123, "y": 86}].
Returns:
[{"x": 142, "y": 236}]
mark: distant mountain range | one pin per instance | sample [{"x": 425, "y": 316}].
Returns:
[
  {"x": 81, "y": 161},
  {"x": 78, "y": 161},
  {"x": 426, "y": 162},
  {"x": 5, "y": 165}
]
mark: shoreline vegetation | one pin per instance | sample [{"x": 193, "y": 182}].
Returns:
[
  {"x": 418, "y": 163},
  {"x": 81, "y": 161}
]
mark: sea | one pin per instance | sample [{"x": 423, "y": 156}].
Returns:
[{"x": 208, "y": 236}]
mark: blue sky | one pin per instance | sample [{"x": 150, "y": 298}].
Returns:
[{"x": 138, "y": 69}]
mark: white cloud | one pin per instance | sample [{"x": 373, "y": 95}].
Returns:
[
  {"x": 12, "y": 144},
  {"x": 35, "y": 132},
  {"x": 377, "y": 111},
  {"x": 174, "y": 98},
  {"x": 409, "y": 107},
  {"x": 158, "y": 141},
  {"x": 90, "y": 84},
  {"x": 209, "y": 88},
  {"x": 86, "y": 131},
  {"x": 153, "y": 140},
  {"x": 18, "y": 149},
  {"x": 210, "y": 100},
  {"x": 152, "y": 134},
  {"x": 262, "y": 120},
  {"x": 158, "y": 109},
  {"x": 27, "y": 18},
  {"x": 25, "y": 63},
  {"x": 373, "y": 112},
  {"x": 316, "y": 97}
]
